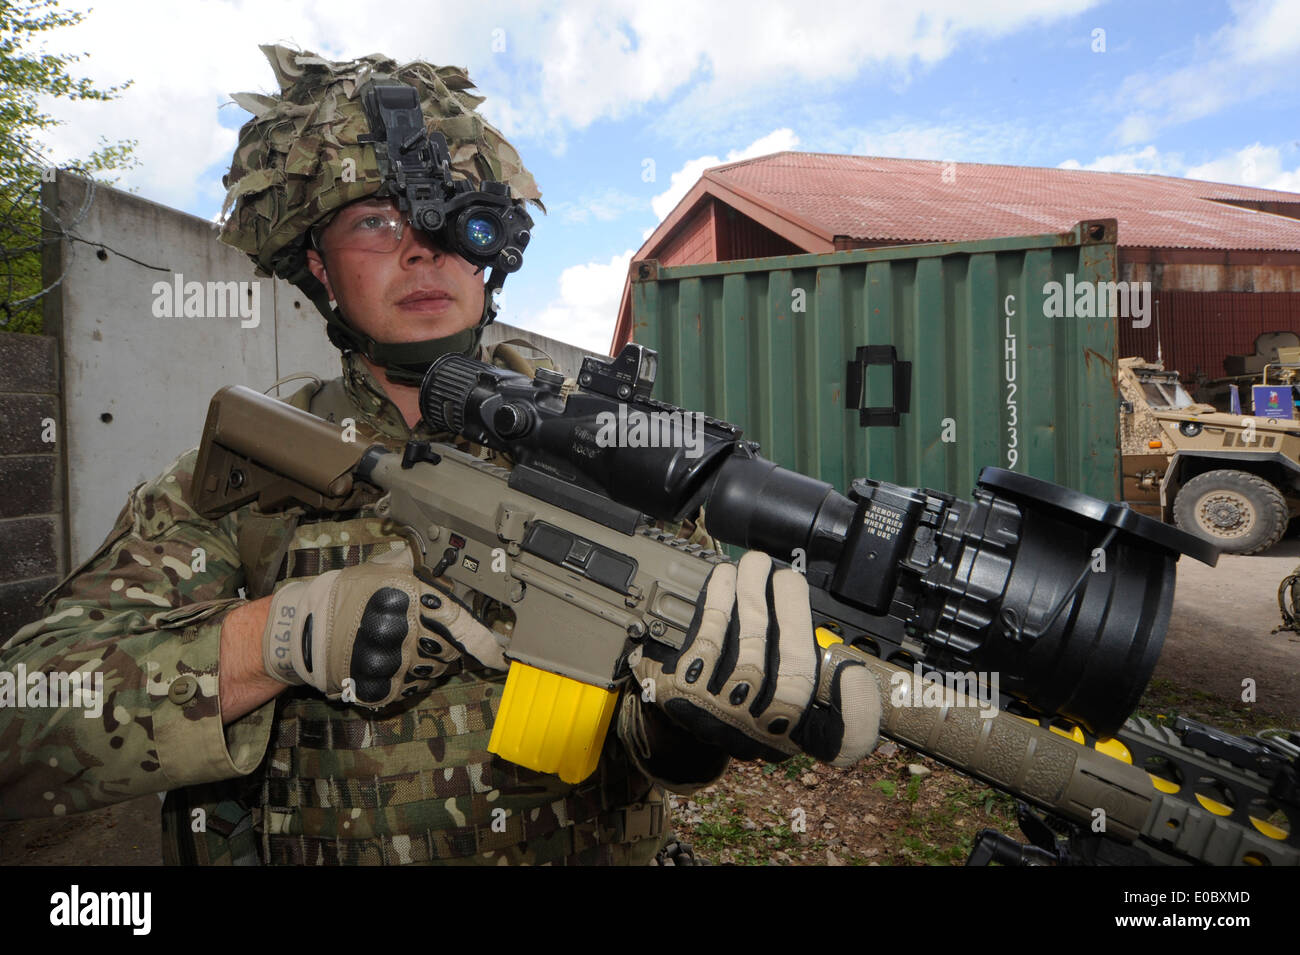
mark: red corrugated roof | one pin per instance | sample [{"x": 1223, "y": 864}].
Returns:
[{"x": 888, "y": 200}]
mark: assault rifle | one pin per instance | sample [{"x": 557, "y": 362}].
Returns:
[{"x": 1009, "y": 583}]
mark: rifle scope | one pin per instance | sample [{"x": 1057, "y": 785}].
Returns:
[{"x": 1065, "y": 597}]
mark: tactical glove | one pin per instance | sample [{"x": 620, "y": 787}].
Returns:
[
  {"x": 752, "y": 679},
  {"x": 376, "y": 625}
]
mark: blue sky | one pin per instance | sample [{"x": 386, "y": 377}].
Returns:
[{"x": 617, "y": 107}]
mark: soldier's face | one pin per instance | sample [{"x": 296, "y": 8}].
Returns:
[{"x": 412, "y": 293}]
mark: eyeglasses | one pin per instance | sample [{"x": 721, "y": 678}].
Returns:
[{"x": 365, "y": 227}]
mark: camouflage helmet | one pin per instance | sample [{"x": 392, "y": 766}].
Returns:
[{"x": 299, "y": 160}]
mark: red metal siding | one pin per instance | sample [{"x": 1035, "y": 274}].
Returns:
[
  {"x": 740, "y": 237},
  {"x": 1198, "y": 328},
  {"x": 693, "y": 242}
]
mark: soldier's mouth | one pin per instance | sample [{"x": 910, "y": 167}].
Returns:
[
  {"x": 433, "y": 301},
  {"x": 425, "y": 295}
]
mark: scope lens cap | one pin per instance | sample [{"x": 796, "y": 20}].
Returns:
[{"x": 1114, "y": 514}]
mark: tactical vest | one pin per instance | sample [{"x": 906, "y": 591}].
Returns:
[{"x": 413, "y": 783}]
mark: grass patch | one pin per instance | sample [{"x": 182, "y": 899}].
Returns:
[
  {"x": 943, "y": 834},
  {"x": 723, "y": 836},
  {"x": 801, "y": 813},
  {"x": 796, "y": 766},
  {"x": 1164, "y": 701}
]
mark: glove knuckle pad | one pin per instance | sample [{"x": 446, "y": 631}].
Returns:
[{"x": 377, "y": 649}]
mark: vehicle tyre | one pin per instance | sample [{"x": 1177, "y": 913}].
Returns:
[{"x": 1240, "y": 513}]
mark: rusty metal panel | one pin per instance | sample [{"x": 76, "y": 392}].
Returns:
[
  {"x": 1197, "y": 329},
  {"x": 996, "y": 377}
]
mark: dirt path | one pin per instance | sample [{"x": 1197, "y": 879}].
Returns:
[
  {"x": 128, "y": 833},
  {"x": 1220, "y": 631}
]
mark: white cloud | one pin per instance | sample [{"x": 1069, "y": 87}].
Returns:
[
  {"x": 1146, "y": 160},
  {"x": 1135, "y": 128},
  {"x": 605, "y": 59},
  {"x": 185, "y": 58},
  {"x": 1251, "y": 56},
  {"x": 544, "y": 70},
  {"x": 1269, "y": 31},
  {"x": 1256, "y": 165},
  {"x": 587, "y": 308},
  {"x": 681, "y": 181}
]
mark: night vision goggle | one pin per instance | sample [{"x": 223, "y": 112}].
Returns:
[{"x": 484, "y": 226}]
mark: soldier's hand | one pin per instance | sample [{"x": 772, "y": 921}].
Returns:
[
  {"x": 377, "y": 625},
  {"x": 752, "y": 679}
]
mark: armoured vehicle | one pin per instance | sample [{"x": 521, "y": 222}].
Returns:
[
  {"x": 1276, "y": 361},
  {"x": 1233, "y": 479}
]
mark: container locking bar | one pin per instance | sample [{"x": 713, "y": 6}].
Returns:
[{"x": 856, "y": 375}]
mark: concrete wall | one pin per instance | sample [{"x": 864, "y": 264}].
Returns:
[
  {"x": 567, "y": 358},
  {"x": 31, "y": 489},
  {"x": 137, "y": 385}
]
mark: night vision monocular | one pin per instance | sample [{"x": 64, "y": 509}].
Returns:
[{"x": 484, "y": 226}]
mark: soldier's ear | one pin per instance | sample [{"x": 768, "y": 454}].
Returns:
[{"x": 316, "y": 265}]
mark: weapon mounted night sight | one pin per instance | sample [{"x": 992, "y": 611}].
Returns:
[{"x": 1065, "y": 596}]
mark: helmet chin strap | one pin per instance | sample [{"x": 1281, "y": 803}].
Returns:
[{"x": 407, "y": 363}]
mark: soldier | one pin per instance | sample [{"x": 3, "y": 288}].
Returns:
[{"x": 264, "y": 757}]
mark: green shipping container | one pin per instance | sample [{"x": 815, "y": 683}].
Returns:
[{"x": 916, "y": 364}]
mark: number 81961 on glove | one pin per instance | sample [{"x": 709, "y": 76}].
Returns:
[
  {"x": 752, "y": 679},
  {"x": 377, "y": 625}
]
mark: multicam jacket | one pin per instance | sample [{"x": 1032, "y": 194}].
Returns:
[{"x": 300, "y": 779}]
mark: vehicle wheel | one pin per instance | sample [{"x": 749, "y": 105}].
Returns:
[{"x": 1238, "y": 512}]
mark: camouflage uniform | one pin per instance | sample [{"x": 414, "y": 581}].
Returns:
[{"x": 300, "y": 779}]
